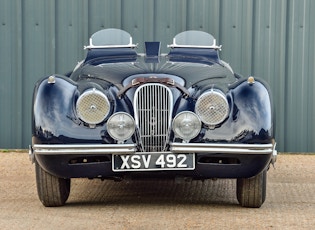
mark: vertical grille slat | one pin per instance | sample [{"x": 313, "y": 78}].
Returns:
[{"x": 153, "y": 115}]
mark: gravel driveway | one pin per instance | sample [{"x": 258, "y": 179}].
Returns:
[{"x": 212, "y": 204}]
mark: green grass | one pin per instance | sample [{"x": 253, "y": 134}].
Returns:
[{"x": 13, "y": 150}]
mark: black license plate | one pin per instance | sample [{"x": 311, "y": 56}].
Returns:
[{"x": 153, "y": 162}]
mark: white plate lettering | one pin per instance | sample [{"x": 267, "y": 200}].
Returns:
[{"x": 153, "y": 161}]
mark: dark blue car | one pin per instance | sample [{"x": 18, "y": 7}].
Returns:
[{"x": 121, "y": 114}]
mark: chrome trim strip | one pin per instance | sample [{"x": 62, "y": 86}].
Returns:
[
  {"x": 222, "y": 148},
  {"x": 214, "y": 46},
  {"x": 91, "y": 46},
  {"x": 111, "y": 46},
  {"x": 94, "y": 149}
]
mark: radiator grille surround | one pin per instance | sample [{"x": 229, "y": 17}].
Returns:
[{"x": 153, "y": 104}]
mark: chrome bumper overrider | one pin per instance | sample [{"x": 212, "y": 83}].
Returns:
[{"x": 98, "y": 149}]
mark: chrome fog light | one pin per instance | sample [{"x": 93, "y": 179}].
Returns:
[
  {"x": 186, "y": 125},
  {"x": 121, "y": 126},
  {"x": 92, "y": 106},
  {"x": 212, "y": 107}
]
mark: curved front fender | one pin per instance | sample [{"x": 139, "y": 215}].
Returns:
[
  {"x": 54, "y": 119},
  {"x": 254, "y": 106},
  {"x": 250, "y": 119}
]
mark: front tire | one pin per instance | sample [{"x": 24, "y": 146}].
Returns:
[
  {"x": 52, "y": 191},
  {"x": 251, "y": 192}
]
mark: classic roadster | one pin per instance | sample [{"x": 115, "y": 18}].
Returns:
[{"x": 121, "y": 114}]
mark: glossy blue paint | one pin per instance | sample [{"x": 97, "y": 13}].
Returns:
[
  {"x": 250, "y": 113},
  {"x": 197, "y": 70}
]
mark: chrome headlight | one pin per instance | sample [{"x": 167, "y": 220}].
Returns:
[
  {"x": 92, "y": 106},
  {"x": 186, "y": 125},
  {"x": 121, "y": 126},
  {"x": 212, "y": 107}
]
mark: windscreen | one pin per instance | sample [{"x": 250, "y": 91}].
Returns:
[
  {"x": 194, "y": 38},
  {"x": 110, "y": 37}
]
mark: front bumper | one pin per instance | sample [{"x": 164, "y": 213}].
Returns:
[
  {"x": 252, "y": 158},
  {"x": 101, "y": 149}
]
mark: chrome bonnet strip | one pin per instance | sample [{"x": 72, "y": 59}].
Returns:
[{"x": 222, "y": 148}]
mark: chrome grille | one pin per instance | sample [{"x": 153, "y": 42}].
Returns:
[{"x": 153, "y": 110}]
